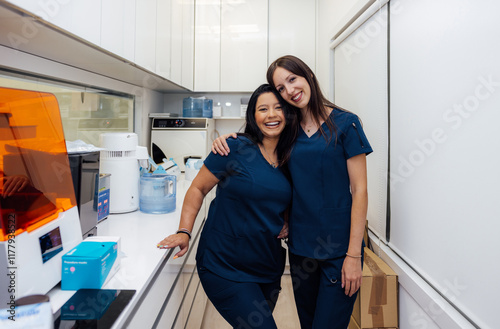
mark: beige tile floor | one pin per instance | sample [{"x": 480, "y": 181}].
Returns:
[{"x": 284, "y": 314}]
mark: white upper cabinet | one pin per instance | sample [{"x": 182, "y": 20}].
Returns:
[
  {"x": 244, "y": 31},
  {"x": 176, "y": 42},
  {"x": 118, "y": 27},
  {"x": 145, "y": 34},
  {"x": 182, "y": 43},
  {"x": 187, "y": 77},
  {"x": 202, "y": 45},
  {"x": 32, "y": 6},
  {"x": 86, "y": 19},
  {"x": 237, "y": 40},
  {"x": 163, "y": 38},
  {"x": 207, "y": 46},
  {"x": 292, "y": 30},
  {"x": 81, "y": 18}
]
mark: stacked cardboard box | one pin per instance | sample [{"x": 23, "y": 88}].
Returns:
[{"x": 377, "y": 302}]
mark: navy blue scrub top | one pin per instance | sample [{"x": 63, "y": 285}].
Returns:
[
  {"x": 239, "y": 240},
  {"x": 320, "y": 219}
]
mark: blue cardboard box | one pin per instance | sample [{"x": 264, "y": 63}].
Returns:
[
  {"x": 103, "y": 205},
  {"x": 101, "y": 196},
  {"x": 88, "y": 265}
]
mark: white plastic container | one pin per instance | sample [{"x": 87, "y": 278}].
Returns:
[
  {"x": 158, "y": 193},
  {"x": 120, "y": 160},
  {"x": 192, "y": 107}
]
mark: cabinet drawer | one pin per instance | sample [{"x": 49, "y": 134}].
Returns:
[
  {"x": 169, "y": 316},
  {"x": 197, "y": 309},
  {"x": 191, "y": 281},
  {"x": 164, "y": 296},
  {"x": 157, "y": 293}
]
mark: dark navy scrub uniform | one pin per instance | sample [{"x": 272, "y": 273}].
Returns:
[
  {"x": 320, "y": 221},
  {"x": 240, "y": 259}
]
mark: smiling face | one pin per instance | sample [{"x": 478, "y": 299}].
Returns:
[
  {"x": 269, "y": 116},
  {"x": 292, "y": 87}
]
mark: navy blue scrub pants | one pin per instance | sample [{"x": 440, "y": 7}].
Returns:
[
  {"x": 320, "y": 299},
  {"x": 245, "y": 305}
]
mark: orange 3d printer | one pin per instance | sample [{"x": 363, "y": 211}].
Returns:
[{"x": 39, "y": 218}]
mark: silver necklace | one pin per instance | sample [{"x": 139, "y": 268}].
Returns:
[{"x": 272, "y": 163}]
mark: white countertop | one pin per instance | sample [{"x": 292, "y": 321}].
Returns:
[{"x": 140, "y": 258}]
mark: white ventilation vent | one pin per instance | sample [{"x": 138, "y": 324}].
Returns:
[{"x": 117, "y": 154}]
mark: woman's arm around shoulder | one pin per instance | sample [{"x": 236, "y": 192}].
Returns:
[{"x": 220, "y": 144}]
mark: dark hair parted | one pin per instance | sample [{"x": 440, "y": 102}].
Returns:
[
  {"x": 317, "y": 102},
  {"x": 289, "y": 133}
]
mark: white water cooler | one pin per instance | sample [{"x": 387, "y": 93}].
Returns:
[{"x": 121, "y": 159}]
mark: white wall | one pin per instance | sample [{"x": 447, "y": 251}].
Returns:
[
  {"x": 422, "y": 302},
  {"x": 331, "y": 13},
  {"x": 150, "y": 101},
  {"x": 363, "y": 71},
  {"x": 229, "y": 102}
]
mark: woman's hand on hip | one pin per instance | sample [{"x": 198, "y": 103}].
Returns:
[
  {"x": 220, "y": 145},
  {"x": 180, "y": 240},
  {"x": 351, "y": 275}
]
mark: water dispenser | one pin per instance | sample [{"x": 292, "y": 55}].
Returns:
[{"x": 157, "y": 193}]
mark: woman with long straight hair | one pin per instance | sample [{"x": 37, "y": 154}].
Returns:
[{"x": 330, "y": 199}]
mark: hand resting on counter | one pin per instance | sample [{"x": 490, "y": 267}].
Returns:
[{"x": 175, "y": 240}]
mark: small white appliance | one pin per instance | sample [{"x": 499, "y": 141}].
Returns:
[
  {"x": 121, "y": 159},
  {"x": 181, "y": 139}
]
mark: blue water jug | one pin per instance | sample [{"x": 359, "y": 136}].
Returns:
[
  {"x": 192, "y": 107},
  {"x": 157, "y": 193},
  {"x": 207, "y": 108}
]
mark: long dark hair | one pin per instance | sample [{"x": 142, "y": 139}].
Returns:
[
  {"x": 289, "y": 133},
  {"x": 317, "y": 102}
]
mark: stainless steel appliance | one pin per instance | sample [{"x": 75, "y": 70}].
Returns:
[{"x": 85, "y": 174}]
